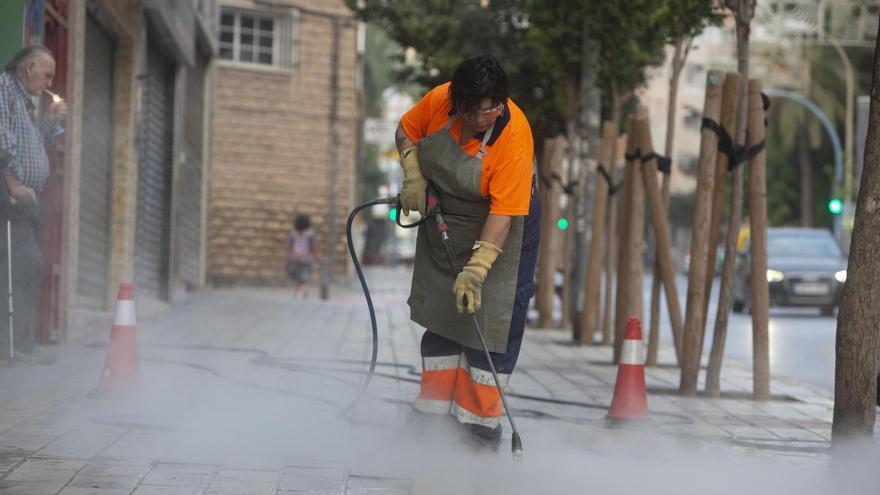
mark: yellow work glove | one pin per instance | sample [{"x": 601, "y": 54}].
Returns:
[
  {"x": 469, "y": 282},
  {"x": 412, "y": 195}
]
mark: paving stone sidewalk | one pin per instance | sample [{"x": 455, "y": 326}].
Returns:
[{"x": 242, "y": 393}]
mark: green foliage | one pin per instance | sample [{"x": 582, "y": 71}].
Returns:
[
  {"x": 632, "y": 36},
  {"x": 827, "y": 89},
  {"x": 538, "y": 60},
  {"x": 378, "y": 54},
  {"x": 539, "y": 42},
  {"x": 378, "y": 69},
  {"x": 687, "y": 18},
  {"x": 783, "y": 172}
]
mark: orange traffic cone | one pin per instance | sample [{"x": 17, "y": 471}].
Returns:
[
  {"x": 630, "y": 397},
  {"x": 121, "y": 368}
]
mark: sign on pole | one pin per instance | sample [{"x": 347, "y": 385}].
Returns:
[{"x": 379, "y": 131}]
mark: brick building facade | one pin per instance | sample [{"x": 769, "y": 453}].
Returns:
[
  {"x": 126, "y": 198},
  {"x": 274, "y": 135}
]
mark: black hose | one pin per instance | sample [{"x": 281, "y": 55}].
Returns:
[{"x": 391, "y": 200}]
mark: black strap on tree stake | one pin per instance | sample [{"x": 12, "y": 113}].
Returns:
[
  {"x": 736, "y": 155},
  {"x": 566, "y": 188},
  {"x": 612, "y": 187},
  {"x": 664, "y": 164}
]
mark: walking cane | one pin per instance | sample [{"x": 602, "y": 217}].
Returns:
[
  {"x": 5, "y": 160},
  {"x": 9, "y": 281}
]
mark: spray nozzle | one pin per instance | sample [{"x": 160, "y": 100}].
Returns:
[{"x": 516, "y": 446}]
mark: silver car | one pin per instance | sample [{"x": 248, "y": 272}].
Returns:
[{"x": 805, "y": 267}]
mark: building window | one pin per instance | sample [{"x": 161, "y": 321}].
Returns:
[{"x": 260, "y": 38}]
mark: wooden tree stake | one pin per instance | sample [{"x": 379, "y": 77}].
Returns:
[
  {"x": 551, "y": 190},
  {"x": 590, "y": 318},
  {"x": 758, "y": 219},
  {"x": 629, "y": 267},
  {"x": 729, "y": 103},
  {"x": 661, "y": 228},
  {"x": 692, "y": 346}
]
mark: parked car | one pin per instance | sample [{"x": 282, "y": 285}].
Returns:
[{"x": 805, "y": 267}]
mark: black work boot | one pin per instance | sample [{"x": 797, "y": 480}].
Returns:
[{"x": 483, "y": 437}]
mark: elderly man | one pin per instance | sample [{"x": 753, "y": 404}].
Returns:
[{"x": 23, "y": 140}]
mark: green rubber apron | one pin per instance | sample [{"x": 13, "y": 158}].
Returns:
[{"x": 456, "y": 176}]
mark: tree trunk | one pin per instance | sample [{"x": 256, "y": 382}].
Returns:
[
  {"x": 611, "y": 228},
  {"x": 806, "y": 165},
  {"x": 858, "y": 342},
  {"x": 744, "y": 14},
  {"x": 729, "y": 101},
  {"x": 571, "y": 174},
  {"x": 758, "y": 247},
  {"x": 590, "y": 316},
  {"x": 692, "y": 346},
  {"x": 551, "y": 158},
  {"x": 628, "y": 302},
  {"x": 568, "y": 235},
  {"x": 679, "y": 57},
  {"x": 589, "y": 138}
]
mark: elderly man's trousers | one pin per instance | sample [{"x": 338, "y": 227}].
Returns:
[{"x": 27, "y": 276}]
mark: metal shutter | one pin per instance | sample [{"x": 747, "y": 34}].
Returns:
[
  {"x": 154, "y": 177},
  {"x": 95, "y": 175}
]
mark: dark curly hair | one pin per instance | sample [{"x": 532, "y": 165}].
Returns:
[
  {"x": 477, "y": 78},
  {"x": 303, "y": 222}
]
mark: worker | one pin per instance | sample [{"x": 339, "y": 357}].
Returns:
[{"x": 470, "y": 141}]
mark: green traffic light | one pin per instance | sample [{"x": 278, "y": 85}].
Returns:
[
  {"x": 393, "y": 214},
  {"x": 835, "y": 206},
  {"x": 562, "y": 223}
]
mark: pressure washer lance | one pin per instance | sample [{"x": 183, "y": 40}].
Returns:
[{"x": 434, "y": 210}]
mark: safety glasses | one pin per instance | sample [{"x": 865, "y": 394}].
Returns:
[{"x": 484, "y": 112}]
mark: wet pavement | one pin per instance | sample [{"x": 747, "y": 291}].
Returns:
[{"x": 243, "y": 392}]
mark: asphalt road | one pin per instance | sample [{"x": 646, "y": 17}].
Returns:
[
  {"x": 801, "y": 344},
  {"x": 801, "y": 341}
]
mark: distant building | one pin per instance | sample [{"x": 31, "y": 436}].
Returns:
[
  {"x": 276, "y": 146},
  {"x": 780, "y": 30}
]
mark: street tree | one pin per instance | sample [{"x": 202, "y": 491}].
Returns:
[
  {"x": 858, "y": 342},
  {"x": 632, "y": 38},
  {"x": 743, "y": 12},
  {"x": 684, "y": 20}
]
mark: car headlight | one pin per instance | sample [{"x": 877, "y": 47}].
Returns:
[
  {"x": 775, "y": 276},
  {"x": 840, "y": 276}
]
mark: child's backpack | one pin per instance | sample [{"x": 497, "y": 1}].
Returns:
[{"x": 300, "y": 250}]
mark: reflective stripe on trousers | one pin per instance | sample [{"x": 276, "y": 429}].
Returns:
[{"x": 456, "y": 380}]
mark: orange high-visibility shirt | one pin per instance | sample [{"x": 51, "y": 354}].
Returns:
[{"x": 507, "y": 165}]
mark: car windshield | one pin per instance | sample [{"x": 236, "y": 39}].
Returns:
[{"x": 800, "y": 245}]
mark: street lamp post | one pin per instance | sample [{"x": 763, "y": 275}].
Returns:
[{"x": 832, "y": 134}]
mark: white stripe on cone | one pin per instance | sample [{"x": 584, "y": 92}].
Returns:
[
  {"x": 633, "y": 352},
  {"x": 125, "y": 315}
]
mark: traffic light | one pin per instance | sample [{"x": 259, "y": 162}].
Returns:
[
  {"x": 835, "y": 206},
  {"x": 392, "y": 215},
  {"x": 562, "y": 223}
]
